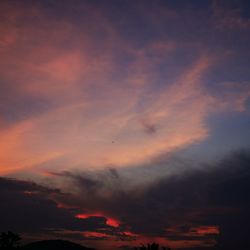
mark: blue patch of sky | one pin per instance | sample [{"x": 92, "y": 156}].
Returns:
[{"x": 228, "y": 132}]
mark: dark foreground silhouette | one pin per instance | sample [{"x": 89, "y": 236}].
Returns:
[
  {"x": 54, "y": 245},
  {"x": 11, "y": 241},
  {"x": 153, "y": 246}
]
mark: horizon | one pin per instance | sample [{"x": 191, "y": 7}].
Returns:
[{"x": 126, "y": 122}]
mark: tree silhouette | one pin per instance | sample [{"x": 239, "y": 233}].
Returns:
[
  {"x": 153, "y": 246},
  {"x": 9, "y": 240}
]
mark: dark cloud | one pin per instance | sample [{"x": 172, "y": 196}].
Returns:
[
  {"x": 217, "y": 196},
  {"x": 148, "y": 126},
  {"x": 188, "y": 206},
  {"x": 180, "y": 205},
  {"x": 114, "y": 173},
  {"x": 29, "y": 208}
]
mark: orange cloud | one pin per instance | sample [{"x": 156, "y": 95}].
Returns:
[
  {"x": 109, "y": 221},
  {"x": 206, "y": 230}
]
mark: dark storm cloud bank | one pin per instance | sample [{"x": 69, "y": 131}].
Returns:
[
  {"x": 28, "y": 207},
  {"x": 34, "y": 211},
  {"x": 177, "y": 207},
  {"x": 180, "y": 207}
]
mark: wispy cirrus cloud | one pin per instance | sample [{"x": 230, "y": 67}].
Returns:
[{"x": 92, "y": 107}]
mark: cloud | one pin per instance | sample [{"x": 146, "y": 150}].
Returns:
[
  {"x": 179, "y": 111},
  {"x": 101, "y": 104},
  {"x": 80, "y": 103},
  {"x": 198, "y": 207},
  {"x": 229, "y": 15},
  {"x": 195, "y": 208},
  {"x": 149, "y": 127},
  {"x": 39, "y": 216}
]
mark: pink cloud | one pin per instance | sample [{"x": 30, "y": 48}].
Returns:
[{"x": 94, "y": 115}]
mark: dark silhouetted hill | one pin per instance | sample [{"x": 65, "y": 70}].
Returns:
[{"x": 54, "y": 245}]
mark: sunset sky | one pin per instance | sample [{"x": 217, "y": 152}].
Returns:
[{"x": 125, "y": 122}]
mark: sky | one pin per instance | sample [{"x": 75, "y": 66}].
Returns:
[{"x": 125, "y": 122}]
